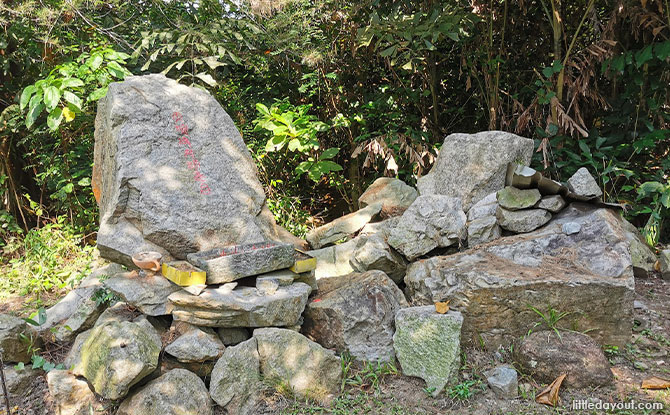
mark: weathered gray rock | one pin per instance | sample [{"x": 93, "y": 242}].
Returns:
[
  {"x": 177, "y": 392},
  {"x": 233, "y": 263},
  {"x": 432, "y": 221},
  {"x": 19, "y": 380},
  {"x": 545, "y": 356},
  {"x": 483, "y": 230},
  {"x": 334, "y": 261},
  {"x": 521, "y": 221},
  {"x": 241, "y": 307},
  {"x": 144, "y": 173},
  {"x": 588, "y": 274},
  {"x": 471, "y": 166},
  {"x": 571, "y": 228},
  {"x": 664, "y": 264},
  {"x": 484, "y": 208},
  {"x": 382, "y": 228},
  {"x": 168, "y": 363},
  {"x": 283, "y": 275},
  {"x": 236, "y": 379},
  {"x": 583, "y": 184},
  {"x": 552, "y": 203},
  {"x": 71, "y": 396},
  {"x": 267, "y": 286},
  {"x": 116, "y": 355},
  {"x": 195, "y": 345},
  {"x": 15, "y": 338},
  {"x": 394, "y": 195},
  {"x": 148, "y": 293},
  {"x": 291, "y": 358},
  {"x": 512, "y": 198},
  {"x": 503, "y": 381},
  {"x": 230, "y": 336},
  {"x": 642, "y": 255},
  {"x": 118, "y": 312},
  {"x": 77, "y": 305},
  {"x": 427, "y": 344},
  {"x": 373, "y": 253},
  {"x": 355, "y": 313},
  {"x": 342, "y": 227}
]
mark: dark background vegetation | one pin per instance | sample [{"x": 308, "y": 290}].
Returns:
[{"x": 330, "y": 95}]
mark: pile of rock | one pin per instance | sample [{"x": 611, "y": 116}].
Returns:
[{"x": 534, "y": 245}]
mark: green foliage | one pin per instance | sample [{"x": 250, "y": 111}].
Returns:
[
  {"x": 47, "y": 258},
  {"x": 550, "y": 319},
  {"x": 369, "y": 377},
  {"x": 295, "y": 131},
  {"x": 105, "y": 296},
  {"x": 38, "y": 362},
  {"x": 465, "y": 390},
  {"x": 72, "y": 85}
]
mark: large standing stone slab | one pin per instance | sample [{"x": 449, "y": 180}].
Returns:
[
  {"x": 172, "y": 173},
  {"x": 471, "y": 166},
  {"x": 355, "y": 313},
  {"x": 148, "y": 293},
  {"x": 428, "y": 344},
  {"x": 394, "y": 195},
  {"x": 232, "y": 263},
  {"x": 177, "y": 392},
  {"x": 342, "y": 227},
  {"x": 117, "y": 355},
  {"x": 15, "y": 337},
  {"x": 291, "y": 358},
  {"x": 588, "y": 274},
  {"x": 432, "y": 221},
  {"x": 236, "y": 379},
  {"x": 241, "y": 307}
]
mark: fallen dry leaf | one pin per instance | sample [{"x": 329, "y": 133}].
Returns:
[
  {"x": 549, "y": 396},
  {"x": 655, "y": 383},
  {"x": 442, "y": 308}
]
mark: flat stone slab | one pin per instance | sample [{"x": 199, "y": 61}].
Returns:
[
  {"x": 588, "y": 274},
  {"x": 241, "y": 307},
  {"x": 231, "y": 263},
  {"x": 148, "y": 293},
  {"x": 428, "y": 344},
  {"x": 342, "y": 227}
]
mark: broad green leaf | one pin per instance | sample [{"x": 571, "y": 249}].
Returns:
[
  {"x": 73, "y": 99},
  {"x": 116, "y": 70},
  {"x": 648, "y": 188},
  {"x": 643, "y": 56},
  {"x": 328, "y": 166},
  {"x": 206, "y": 78},
  {"x": 33, "y": 113},
  {"x": 71, "y": 83},
  {"x": 453, "y": 36},
  {"x": 94, "y": 61},
  {"x": 86, "y": 181},
  {"x": 25, "y": 96},
  {"x": 294, "y": 145},
  {"x": 262, "y": 109},
  {"x": 54, "y": 118},
  {"x": 330, "y": 153},
  {"x": 388, "y": 51},
  {"x": 303, "y": 167},
  {"x": 97, "y": 94},
  {"x": 663, "y": 50},
  {"x": 51, "y": 97}
]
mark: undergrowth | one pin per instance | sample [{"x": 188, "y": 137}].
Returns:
[{"x": 50, "y": 258}]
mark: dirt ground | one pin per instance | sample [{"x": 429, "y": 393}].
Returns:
[{"x": 374, "y": 392}]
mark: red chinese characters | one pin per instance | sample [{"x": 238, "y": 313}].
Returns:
[{"x": 192, "y": 163}]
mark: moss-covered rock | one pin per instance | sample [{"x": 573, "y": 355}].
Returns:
[
  {"x": 512, "y": 198},
  {"x": 16, "y": 338},
  {"x": 178, "y": 392},
  {"x": 117, "y": 355},
  {"x": 427, "y": 344}
]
